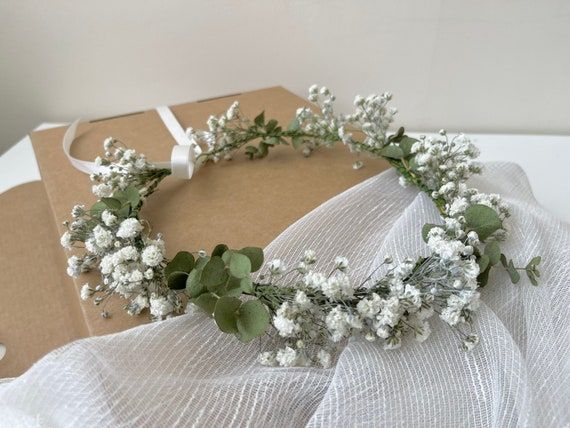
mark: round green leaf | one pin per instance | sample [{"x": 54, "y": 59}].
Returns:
[
  {"x": 201, "y": 262},
  {"x": 535, "y": 261},
  {"x": 513, "y": 273},
  {"x": 193, "y": 285},
  {"x": 531, "y": 277},
  {"x": 214, "y": 273},
  {"x": 225, "y": 313},
  {"x": 255, "y": 256},
  {"x": 392, "y": 151},
  {"x": 483, "y": 220},
  {"x": 240, "y": 266},
  {"x": 406, "y": 144},
  {"x": 252, "y": 320},
  {"x": 133, "y": 196},
  {"x": 182, "y": 262},
  {"x": 246, "y": 284},
  {"x": 483, "y": 277},
  {"x": 227, "y": 256},
  {"x": 483, "y": 262},
  {"x": 219, "y": 250},
  {"x": 493, "y": 251},
  {"x": 97, "y": 208},
  {"x": 177, "y": 280},
  {"x": 206, "y": 302},
  {"x": 112, "y": 203}
]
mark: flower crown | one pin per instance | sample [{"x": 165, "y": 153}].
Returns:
[{"x": 312, "y": 311}]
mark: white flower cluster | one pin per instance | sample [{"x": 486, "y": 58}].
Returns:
[
  {"x": 444, "y": 166},
  {"x": 324, "y": 127},
  {"x": 121, "y": 168},
  {"x": 219, "y": 134},
  {"x": 114, "y": 241},
  {"x": 324, "y": 309},
  {"x": 314, "y": 128},
  {"x": 372, "y": 116}
]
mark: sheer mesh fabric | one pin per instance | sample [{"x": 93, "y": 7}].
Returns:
[{"x": 184, "y": 372}]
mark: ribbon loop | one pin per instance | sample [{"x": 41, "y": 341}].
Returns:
[{"x": 182, "y": 160}]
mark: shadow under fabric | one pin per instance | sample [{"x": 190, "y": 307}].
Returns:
[{"x": 184, "y": 371}]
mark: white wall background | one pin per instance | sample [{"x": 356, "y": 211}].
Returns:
[{"x": 478, "y": 66}]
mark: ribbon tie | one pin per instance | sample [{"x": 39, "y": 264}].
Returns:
[{"x": 182, "y": 159}]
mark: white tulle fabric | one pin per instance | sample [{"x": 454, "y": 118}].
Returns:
[{"x": 184, "y": 372}]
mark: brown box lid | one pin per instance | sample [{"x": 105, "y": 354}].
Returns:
[{"x": 238, "y": 202}]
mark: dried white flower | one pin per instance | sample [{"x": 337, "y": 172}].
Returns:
[
  {"x": 129, "y": 228},
  {"x": 152, "y": 255}
]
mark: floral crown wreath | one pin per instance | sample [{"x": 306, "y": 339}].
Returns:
[{"x": 312, "y": 312}]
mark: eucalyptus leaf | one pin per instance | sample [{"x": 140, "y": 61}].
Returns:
[
  {"x": 504, "y": 260},
  {"x": 182, "y": 262},
  {"x": 133, "y": 196},
  {"x": 260, "y": 119},
  {"x": 483, "y": 277},
  {"x": 425, "y": 230},
  {"x": 535, "y": 261},
  {"x": 227, "y": 256},
  {"x": 513, "y": 273},
  {"x": 97, "y": 208},
  {"x": 219, "y": 250},
  {"x": 214, "y": 273},
  {"x": 396, "y": 136},
  {"x": 531, "y": 277},
  {"x": 294, "y": 125},
  {"x": 493, "y": 251},
  {"x": 129, "y": 196},
  {"x": 225, "y": 313},
  {"x": 246, "y": 284},
  {"x": 207, "y": 302},
  {"x": 240, "y": 266},
  {"x": 112, "y": 203},
  {"x": 483, "y": 262},
  {"x": 297, "y": 142},
  {"x": 177, "y": 280},
  {"x": 255, "y": 256},
  {"x": 406, "y": 144},
  {"x": 483, "y": 220},
  {"x": 392, "y": 151},
  {"x": 193, "y": 285},
  {"x": 252, "y": 320},
  {"x": 124, "y": 212},
  {"x": 251, "y": 151},
  {"x": 271, "y": 125},
  {"x": 201, "y": 262},
  {"x": 262, "y": 150},
  {"x": 271, "y": 141},
  {"x": 413, "y": 164}
]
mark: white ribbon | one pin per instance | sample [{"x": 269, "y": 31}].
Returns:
[{"x": 182, "y": 159}]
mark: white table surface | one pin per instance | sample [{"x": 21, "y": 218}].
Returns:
[{"x": 539, "y": 156}]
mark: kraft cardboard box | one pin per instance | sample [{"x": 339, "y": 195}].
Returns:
[{"x": 238, "y": 202}]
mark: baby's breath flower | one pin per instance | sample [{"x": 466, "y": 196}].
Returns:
[
  {"x": 160, "y": 306},
  {"x": 129, "y": 228},
  {"x": 66, "y": 240},
  {"x": 276, "y": 267},
  {"x": 152, "y": 256},
  {"x": 324, "y": 358},
  {"x": 286, "y": 357},
  {"x": 109, "y": 219},
  {"x": 341, "y": 263},
  {"x": 86, "y": 292}
]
